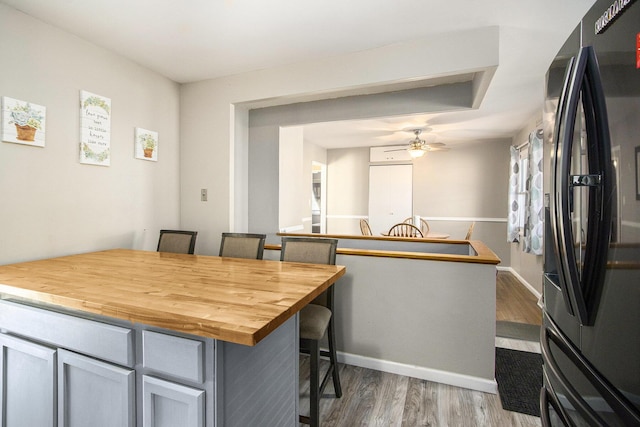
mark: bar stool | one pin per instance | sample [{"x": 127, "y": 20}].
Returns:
[
  {"x": 242, "y": 245},
  {"x": 316, "y": 319},
  {"x": 177, "y": 241}
]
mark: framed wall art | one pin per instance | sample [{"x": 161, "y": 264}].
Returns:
[
  {"x": 146, "y": 144},
  {"x": 95, "y": 129},
  {"x": 23, "y": 122}
]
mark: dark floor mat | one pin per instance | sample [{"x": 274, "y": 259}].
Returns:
[{"x": 519, "y": 377}]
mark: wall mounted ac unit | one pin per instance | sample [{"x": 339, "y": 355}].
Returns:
[{"x": 393, "y": 153}]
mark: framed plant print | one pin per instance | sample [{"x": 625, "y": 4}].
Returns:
[
  {"x": 23, "y": 122},
  {"x": 146, "y": 144}
]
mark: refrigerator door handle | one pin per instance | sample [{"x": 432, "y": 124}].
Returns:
[
  {"x": 555, "y": 211},
  {"x": 568, "y": 269},
  {"x": 600, "y": 184},
  {"x": 548, "y": 397},
  {"x": 583, "y": 290},
  {"x": 551, "y": 367},
  {"x": 625, "y": 410}
]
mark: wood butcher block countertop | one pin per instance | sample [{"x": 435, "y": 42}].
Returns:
[{"x": 229, "y": 299}]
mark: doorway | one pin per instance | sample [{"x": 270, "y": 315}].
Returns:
[{"x": 318, "y": 197}]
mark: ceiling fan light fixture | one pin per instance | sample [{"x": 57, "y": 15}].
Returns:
[{"x": 416, "y": 152}]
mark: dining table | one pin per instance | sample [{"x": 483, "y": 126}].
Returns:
[{"x": 218, "y": 330}]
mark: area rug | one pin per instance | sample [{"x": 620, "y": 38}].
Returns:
[
  {"x": 519, "y": 377},
  {"x": 519, "y": 331}
]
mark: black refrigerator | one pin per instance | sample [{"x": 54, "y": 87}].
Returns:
[{"x": 590, "y": 337}]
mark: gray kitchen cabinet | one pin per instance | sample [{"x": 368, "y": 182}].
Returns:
[
  {"x": 27, "y": 370},
  {"x": 167, "y": 404},
  {"x": 94, "y": 393},
  {"x": 65, "y": 369}
]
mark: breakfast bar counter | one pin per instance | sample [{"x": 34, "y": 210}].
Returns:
[{"x": 125, "y": 338}]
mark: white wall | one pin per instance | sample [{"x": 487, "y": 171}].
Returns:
[
  {"x": 292, "y": 193},
  {"x": 53, "y": 205},
  {"x": 348, "y": 189}
]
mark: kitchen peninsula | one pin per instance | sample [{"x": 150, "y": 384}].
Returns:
[
  {"x": 125, "y": 338},
  {"x": 424, "y": 308}
]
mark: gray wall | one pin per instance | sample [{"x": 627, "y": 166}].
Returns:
[
  {"x": 469, "y": 183},
  {"x": 213, "y": 118},
  {"x": 53, "y": 205},
  {"x": 451, "y": 188}
]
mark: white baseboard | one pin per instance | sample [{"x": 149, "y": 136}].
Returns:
[{"x": 450, "y": 378}]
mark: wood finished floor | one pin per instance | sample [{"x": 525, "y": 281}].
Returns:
[{"x": 374, "y": 398}]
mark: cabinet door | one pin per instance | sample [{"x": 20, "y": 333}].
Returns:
[
  {"x": 169, "y": 404},
  {"x": 390, "y": 196},
  {"x": 94, "y": 393},
  {"x": 27, "y": 378}
]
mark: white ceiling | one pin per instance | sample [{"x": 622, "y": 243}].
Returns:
[{"x": 193, "y": 40}]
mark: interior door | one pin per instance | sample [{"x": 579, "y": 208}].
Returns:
[{"x": 390, "y": 196}]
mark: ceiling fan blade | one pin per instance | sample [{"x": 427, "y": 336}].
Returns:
[
  {"x": 436, "y": 144},
  {"x": 399, "y": 149},
  {"x": 438, "y": 149}
]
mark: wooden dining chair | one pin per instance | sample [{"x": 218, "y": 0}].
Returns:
[
  {"x": 424, "y": 225},
  {"x": 242, "y": 245},
  {"x": 316, "y": 319},
  {"x": 177, "y": 241},
  {"x": 365, "y": 228},
  {"x": 470, "y": 231},
  {"x": 405, "y": 229}
]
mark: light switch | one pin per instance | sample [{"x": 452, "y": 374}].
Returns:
[{"x": 203, "y": 195}]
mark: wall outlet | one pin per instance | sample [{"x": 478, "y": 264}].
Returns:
[{"x": 203, "y": 195}]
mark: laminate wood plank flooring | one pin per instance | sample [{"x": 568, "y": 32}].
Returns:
[
  {"x": 514, "y": 302},
  {"x": 375, "y": 398}
]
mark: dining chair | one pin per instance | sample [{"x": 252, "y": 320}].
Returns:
[
  {"x": 365, "y": 228},
  {"x": 242, "y": 245},
  {"x": 404, "y": 229},
  {"x": 316, "y": 319},
  {"x": 424, "y": 225},
  {"x": 177, "y": 241},
  {"x": 470, "y": 231}
]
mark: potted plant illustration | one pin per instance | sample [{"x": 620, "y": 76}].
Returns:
[
  {"x": 27, "y": 121},
  {"x": 148, "y": 144}
]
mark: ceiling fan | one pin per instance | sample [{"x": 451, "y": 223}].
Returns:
[{"x": 418, "y": 147}]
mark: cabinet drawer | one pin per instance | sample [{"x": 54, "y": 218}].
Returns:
[
  {"x": 97, "y": 339},
  {"x": 176, "y": 356}
]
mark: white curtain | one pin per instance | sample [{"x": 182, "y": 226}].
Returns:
[
  {"x": 534, "y": 209},
  {"x": 513, "y": 227}
]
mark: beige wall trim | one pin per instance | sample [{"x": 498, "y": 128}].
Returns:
[{"x": 461, "y": 218}]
